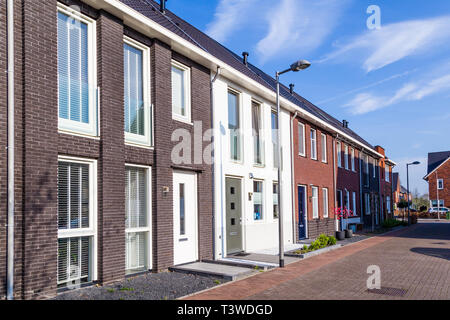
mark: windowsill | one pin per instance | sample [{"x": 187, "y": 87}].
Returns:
[
  {"x": 138, "y": 145},
  {"x": 259, "y": 165},
  {"x": 78, "y": 134},
  {"x": 240, "y": 162},
  {"x": 183, "y": 120},
  {"x": 302, "y": 155}
]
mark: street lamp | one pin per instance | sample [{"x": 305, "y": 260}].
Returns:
[
  {"x": 295, "y": 67},
  {"x": 407, "y": 186}
]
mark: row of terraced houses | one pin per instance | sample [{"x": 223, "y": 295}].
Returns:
[{"x": 107, "y": 97}]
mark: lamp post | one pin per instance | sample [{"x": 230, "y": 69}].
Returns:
[
  {"x": 407, "y": 186},
  {"x": 295, "y": 67}
]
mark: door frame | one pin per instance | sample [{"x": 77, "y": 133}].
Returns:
[
  {"x": 224, "y": 223},
  {"x": 306, "y": 211},
  {"x": 197, "y": 217}
]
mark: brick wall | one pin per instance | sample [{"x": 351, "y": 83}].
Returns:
[
  {"x": 38, "y": 145},
  {"x": 309, "y": 172},
  {"x": 443, "y": 173}
]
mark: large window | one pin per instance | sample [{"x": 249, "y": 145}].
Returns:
[
  {"x": 274, "y": 121},
  {"x": 346, "y": 157},
  {"x": 325, "y": 202},
  {"x": 353, "y": 159},
  {"x": 258, "y": 144},
  {"x": 137, "y": 219},
  {"x": 339, "y": 154},
  {"x": 388, "y": 204},
  {"x": 324, "y": 148},
  {"x": 366, "y": 170},
  {"x": 313, "y": 144},
  {"x": 276, "y": 208},
  {"x": 367, "y": 203},
  {"x": 77, "y": 85},
  {"x": 355, "y": 211},
  {"x": 440, "y": 184},
  {"x": 181, "y": 92},
  {"x": 374, "y": 167},
  {"x": 315, "y": 202},
  {"x": 301, "y": 140},
  {"x": 234, "y": 125},
  {"x": 136, "y": 93},
  {"x": 387, "y": 173},
  {"x": 76, "y": 222},
  {"x": 347, "y": 200},
  {"x": 258, "y": 200}
]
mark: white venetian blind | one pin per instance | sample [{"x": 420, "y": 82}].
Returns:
[
  {"x": 73, "y": 260},
  {"x": 73, "y": 74}
]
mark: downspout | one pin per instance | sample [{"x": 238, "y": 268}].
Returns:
[
  {"x": 381, "y": 204},
  {"x": 335, "y": 183},
  {"x": 293, "y": 179},
  {"x": 10, "y": 263},
  {"x": 213, "y": 80},
  {"x": 361, "y": 194}
]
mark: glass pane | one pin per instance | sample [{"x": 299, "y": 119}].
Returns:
[
  {"x": 74, "y": 261},
  {"x": 274, "y": 120},
  {"x": 178, "y": 92},
  {"x": 258, "y": 200},
  {"x": 136, "y": 252},
  {"x": 136, "y": 198},
  {"x": 257, "y": 141},
  {"x": 276, "y": 209},
  {"x": 233, "y": 126},
  {"x": 182, "y": 210}
]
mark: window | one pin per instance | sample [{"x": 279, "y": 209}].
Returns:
[
  {"x": 324, "y": 148},
  {"x": 258, "y": 145},
  {"x": 234, "y": 125},
  {"x": 181, "y": 92},
  {"x": 374, "y": 168},
  {"x": 313, "y": 144},
  {"x": 274, "y": 120},
  {"x": 434, "y": 203},
  {"x": 77, "y": 84},
  {"x": 137, "y": 220},
  {"x": 355, "y": 212},
  {"x": 367, "y": 203},
  {"x": 136, "y": 93},
  {"x": 353, "y": 159},
  {"x": 315, "y": 202},
  {"x": 366, "y": 170},
  {"x": 339, "y": 154},
  {"x": 440, "y": 184},
  {"x": 76, "y": 222},
  {"x": 325, "y": 202},
  {"x": 258, "y": 200},
  {"x": 347, "y": 200},
  {"x": 276, "y": 208},
  {"x": 182, "y": 202},
  {"x": 301, "y": 140},
  {"x": 346, "y": 157},
  {"x": 388, "y": 204},
  {"x": 339, "y": 198},
  {"x": 387, "y": 173}
]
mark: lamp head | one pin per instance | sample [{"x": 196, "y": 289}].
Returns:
[{"x": 300, "y": 65}]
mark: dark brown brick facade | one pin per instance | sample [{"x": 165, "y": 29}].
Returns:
[{"x": 38, "y": 145}]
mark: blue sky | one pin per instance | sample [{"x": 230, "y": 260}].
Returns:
[{"x": 392, "y": 84}]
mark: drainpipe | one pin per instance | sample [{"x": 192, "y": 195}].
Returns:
[
  {"x": 335, "y": 183},
  {"x": 361, "y": 194},
  {"x": 293, "y": 179},
  {"x": 213, "y": 80},
  {"x": 10, "y": 263}
]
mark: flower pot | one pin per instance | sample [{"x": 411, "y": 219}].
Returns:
[
  {"x": 349, "y": 233},
  {"x": 340, "y": 235}
]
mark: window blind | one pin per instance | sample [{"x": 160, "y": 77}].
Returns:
[
  {"x": 178, "y": 91},
  {"x": 73, "y": 261},
  {"x": 73, "y": 73},
  {"x": 73, "y": 196},
  {"x": 135, "y": 243},
  {"x": 134, "y": 91}
]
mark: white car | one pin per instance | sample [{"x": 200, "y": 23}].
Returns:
[{"x": 441, "y": 210}]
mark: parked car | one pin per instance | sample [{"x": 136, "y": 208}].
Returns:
[{"x": 441, "y": 210}]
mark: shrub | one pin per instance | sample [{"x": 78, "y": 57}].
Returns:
[
  {"x": 391, "y": 223},
  {"x": 332, "y": 241}
]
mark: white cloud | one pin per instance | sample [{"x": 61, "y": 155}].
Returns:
[
  {"x": 413, "y": 91},
  {"x": 299, "y": 26},
  {"x": 394, "y": 42},
  {"x": 230, "y": 15}
]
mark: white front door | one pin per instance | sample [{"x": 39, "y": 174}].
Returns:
[{"x": 185, "y": 218}]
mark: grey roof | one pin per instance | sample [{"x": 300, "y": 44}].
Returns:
[
  {"x": 435, "y": 159},
  {"x": 395, "y": 179},
  {"x": 172, "y": 22},
  {"x": 403, "y": 189}
]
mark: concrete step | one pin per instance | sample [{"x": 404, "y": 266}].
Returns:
[
  {"x": 227, "y": 272},
  {"x": 235, "y": 262}
]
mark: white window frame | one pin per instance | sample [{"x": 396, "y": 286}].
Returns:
[
  {"x": 238, "y": 94},
  {"x": 93, "y": 212},
  {"x": 302, "y": 129},
  {"x": 261, "y": 134},
  {"x": 147, "y": 229},
  {"x": 273, "y": 202},
  {"x": 440, "y": 184},
  {"x": 313, "y": 144},
  {"x": 91, "y": 129},
  {"x": 352, "y": 152},
  {"x": 315, "y": 202},
  {"x": 324, "y": 148},
  {"x": 339, "y": 154},
  {"x": 325, "y": 202},
  {"x": 187, "y": 92},
  {"x": 346, "y": 157},
  {"x": 263, "y": 208},
  {"x": 355, "y": 212},
  {"x": 135, "y": 139}
]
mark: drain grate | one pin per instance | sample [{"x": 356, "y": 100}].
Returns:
[{"x": 393, "y": 292}]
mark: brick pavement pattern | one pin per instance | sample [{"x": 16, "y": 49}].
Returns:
[{"x": 416, "y": 259}]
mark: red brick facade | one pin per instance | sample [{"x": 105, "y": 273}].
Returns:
[
  {"x": 443, "y": 172},
  {"x": 38, "y": 145}
]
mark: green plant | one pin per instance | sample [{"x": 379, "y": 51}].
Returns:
[
  {"x": 391, "y": 223},
  {"x": 217, "y": 282},
  {"x": 126, "y": 289},
  {"x": 332, "y": 241},
  {"x": 111, "y": 290}
]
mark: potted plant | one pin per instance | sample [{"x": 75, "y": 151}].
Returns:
[
  {"x": 340, "y": 235},
  {"x": 347, "y": 213}
]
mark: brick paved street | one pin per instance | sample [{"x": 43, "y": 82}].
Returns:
[{"x": 415, "y": 259}]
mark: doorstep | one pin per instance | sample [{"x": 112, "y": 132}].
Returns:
[{"x": 227, "y": 272}]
